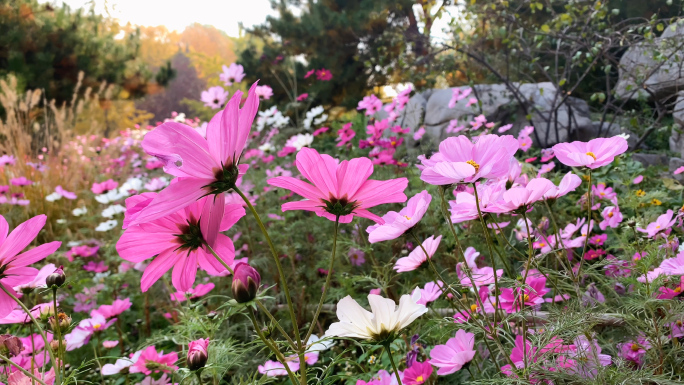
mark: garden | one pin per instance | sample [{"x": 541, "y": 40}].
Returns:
[{"x": 353, "y": 192}]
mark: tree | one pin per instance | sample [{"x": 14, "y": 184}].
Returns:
[
  {"x": 46, "y": 48},
  {"x": 364, "y": 43}
]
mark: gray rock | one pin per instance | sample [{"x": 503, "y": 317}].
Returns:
[
  {"x": 655, "y": 66},
  {"x": 651, "y": 159},
  {"x": 676, "y": 163}
]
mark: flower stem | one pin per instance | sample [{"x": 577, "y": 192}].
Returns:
[
  {"x": 283, "y": 280},
  {"x": 273, "y": 348},
  {"x": 589, "y": 226},
  {"x": 276, "y": 323},
  {"x": 221, "y": 261},
  {"x": 199, "y": 377},
  {"x": 58, "y": 331},
  {"x": 40, "y": 330},
  {"x": 394, "y": 366}
]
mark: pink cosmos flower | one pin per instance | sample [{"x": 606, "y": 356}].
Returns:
[
  {"x": 117, "y": 307},
  {"x": 7, "y": 160},
  {"x": 505, "y": 128},
  {"x": 457, "y": 95},
  {"x": 275, "y": 368},
  {"x": 471, "y": 101},
  {"x": 464, "y": 208},
  {"x": 263, "y": 92},
  {"x": 66, "y": 194},
  {"x": 345, "y": 134},
  {"x": 513, "y": 300},
  {"x": 634, "y": 351},
  {"x": 198, "y": 350},
  {"x": 569, "y": 183},
  {"x": 419, "y": 373},
  {"x": 522, "y": 353},
  {"x": 602, "y": 192},
  {"x": 21, "y": 181},
  {"x": 416, "y": 257},
  {"x": 232, "y": 74},
  {"x": 321, "y": 130},
  {"x": 38, "y": 280},
  {"x": 14, "y": 263},
  {"x": 110, "y": 344},
  {"x": 397, "y": 224},
  {"x": 356, "y": 257},
  {"x": 430, "y": 293},
  {"x": 638, "y": 179},
  {"x": 84, "y": 251},
  {"x": 19, "y": 378},
  {"x": 150, "y": 361},
  {"x": 339, "y": 189},
  {"x": 673, "y": 266},
  {"x": 522, "y": 197},
  {"x": 598, "y": 240},
  {"x": 180, "y": 241},
  {"x": 612, "y": 217},
  {"x": 663, "y": 223},
  {"x": 545, "y": 168},
  {"x": 459, "y": 160},
  {"x": 96, "y": 267},
  {"x": 204, "y": 166},
  {"x": 679, "y": 170},
  {"x": 524, "y": 142},
  {"x": 653, "y": 274},
  {"x": 668, "y": 293},
  {"x": 19, "y": 316},
  {"x": 302, "y": 97},
  {"x": 215, "y": 97},
  {"x": 585, "y": 359},
  {"x": 593, "y": 154},
  {"x": 457, "y": 351},
  {"x": 323, "y": 75},
  {"x": 371, "y": 104},
  {"x": 197, "y": 292},
  {"x": 418, "y": 135},
  {"x": 103, "y": 187}
]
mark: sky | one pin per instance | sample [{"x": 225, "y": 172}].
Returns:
[{"x": 177, "y": 14}]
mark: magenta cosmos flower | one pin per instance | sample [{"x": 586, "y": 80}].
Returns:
[
  {"x": 522, "y": 197},
  {"x": 397, "y": 223},
  {"x": 418, "y": 374},
  {"x": 460, "y": 160},
  {"x": 151, "y": 361},
  {"x": 203, "y": 166},
  {"x": 593, "y": 154},
  {"x": 339, "y": 189},
  {"x": 180, "y": 240},
  {"x": 457, "y": 351},
  {"x": 14, "y": 270}
]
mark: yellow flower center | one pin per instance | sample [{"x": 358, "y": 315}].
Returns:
[
  {"x": 473, "y": 308},
  {"x": 407, "y": 217},
  {"x": 542, "y": 244},
  {"x": 97, "y": 326},
  {"x": 635, "y": 347},
  {"x": 602, "y": 193},
  {"x": 420, "y": 379},
  {"x": 678, "y": 289},
  {"x": 657, "y": 226},
  {"x": 610, "y": 214},
  {"x": 526, "y": 298},
  {"x": 475, "y": 165},
  {"x": 393, "y": 143},
  {"x": 591, "y": 154}
]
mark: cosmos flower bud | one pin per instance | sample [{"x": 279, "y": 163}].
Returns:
[
  {"x": 246, "y": 281},
  {"x": 198, "y": 354},
  {"x": 57, "y": 278},
  {"x": 54, "y": 345},
  {"x": 62, "y": 322}
]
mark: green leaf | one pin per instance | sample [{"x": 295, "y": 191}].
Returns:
[{"x": 545, "y": 28}]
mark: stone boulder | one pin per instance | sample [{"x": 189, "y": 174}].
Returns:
[
  {"x": 657, "y": 66},
  {"x": 552, "y": 123}
]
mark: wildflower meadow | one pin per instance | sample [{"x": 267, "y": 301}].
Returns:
[{"x": 277, "y": 239}]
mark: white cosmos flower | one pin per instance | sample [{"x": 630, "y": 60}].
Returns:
[
  {"x": 77, "y": 212},
  {"x": 53, "y": 197},
  {"x": 111, "y": 196},
  {"x": 317, "y": 344},
  {"x": 106, "y": 226},
  {"x": 299, "y": 141},
  {"x": 113, "y": 210},
  {"x": 384, "y": 320},
  {"x": 313, "y": 113},
  {"x": 266, "y": 147}
]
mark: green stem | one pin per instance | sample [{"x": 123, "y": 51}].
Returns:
[
  {"x": 394, "y": 366},
  {"x": 283, "y": 280},
  {"x": 221, "y": 261},
  {"x": 276, "y": 323},
  {"x": 58, "y": 331},
  {"x": 199, "y": 377},
  {"x": 40, "y": 329},
  {"x": 30, "y": 375},
  {"x": 586, "y": 240},
  {"x": 273, "y": 348}
]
